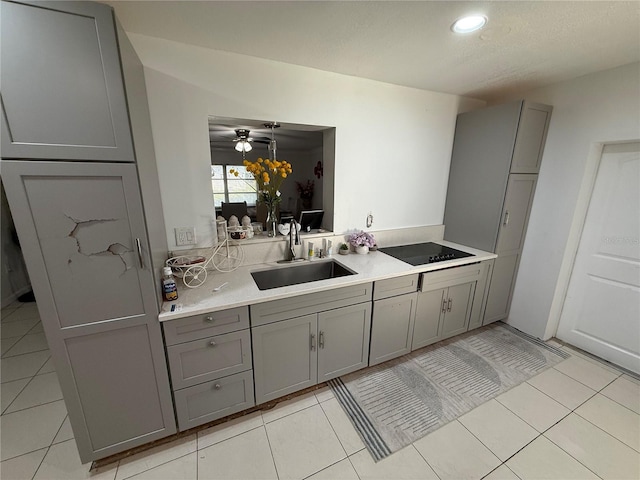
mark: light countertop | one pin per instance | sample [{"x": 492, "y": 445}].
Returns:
[{"x": 242, "y": 290}]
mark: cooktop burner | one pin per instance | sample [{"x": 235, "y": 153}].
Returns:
[{"x": 422, "y": 253}]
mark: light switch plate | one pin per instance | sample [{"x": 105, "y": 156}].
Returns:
[{"x": 185, "y": 236}]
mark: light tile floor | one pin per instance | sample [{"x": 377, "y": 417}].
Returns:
[{"x": 578, "y": 420}]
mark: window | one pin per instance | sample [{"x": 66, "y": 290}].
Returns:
[{"x": 229, "y": 188}]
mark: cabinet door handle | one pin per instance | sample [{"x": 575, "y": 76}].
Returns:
[
  {"x": 140, "y": 257},
  {"x": 444, "y": 305},
  {"x": 506, "y": 219},
  {"x": 449, "y": 304},
  {"x": 312, "y": 340},
  {"x": 217, "y": 386},
  {"x": 321, "y": 340},
  {"x": 212, "y": 343}
]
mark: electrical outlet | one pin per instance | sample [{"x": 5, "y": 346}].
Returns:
[{"x": 185, "y": 236}]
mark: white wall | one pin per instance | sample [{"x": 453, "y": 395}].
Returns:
[
  {"x": 597, "y": 108},
  {"x": 392, "y": 144}
]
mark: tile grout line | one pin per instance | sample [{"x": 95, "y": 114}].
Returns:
[
  {"x": 335, "y": 433},
  {"x": 221, "y": 441},
  {"x": 353, "y": 466},
  {"x": 610, "y": 434},
  {"x": 328, "y": 466},
  {"x": 544, "y": 393},
  {"x": 427, "y": 461},
  {"x": 156, "y": 466},
  {"x": 568, "y": 453},
  {"x": 273, "y": 460},
  {"x": 492, "y": 452},
  {"x": 503, "y": 464},
  {"x": 25, "y": 353},
  {"x": 4, "y": 412},
  {"x": 288, "y": 414},
  {"x": 539, "y": 432}
]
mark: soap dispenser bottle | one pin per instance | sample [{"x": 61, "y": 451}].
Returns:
[{"x": 169, "y": 287}]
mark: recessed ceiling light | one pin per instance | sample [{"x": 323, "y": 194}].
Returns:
[{"x": 469, "y": 24}]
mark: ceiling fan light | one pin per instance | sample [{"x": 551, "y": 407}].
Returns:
[
  {"x": 239, "y": 146},
  {"x": 247, "y": 147},
  {"x": 469, "y": 24}
]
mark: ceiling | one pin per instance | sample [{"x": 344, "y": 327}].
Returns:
[{"x": 525, "y": 45}]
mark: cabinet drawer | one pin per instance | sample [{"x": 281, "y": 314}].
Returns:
[
  {"x": 205, "y": 325},
  {"x": 395, "y": 286},
  {"x": 292, "y": 307},
  {"x": 451, "y": 276},
  {"x": 209, "y": 358},
  {"x": 212, "y": 400}
]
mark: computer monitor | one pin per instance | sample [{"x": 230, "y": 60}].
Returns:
[{"x": 311, "y": 219}]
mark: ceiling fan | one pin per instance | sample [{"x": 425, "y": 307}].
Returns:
[{"x": 243, "y": 140}]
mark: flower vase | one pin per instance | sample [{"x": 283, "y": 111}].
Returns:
[
  {"x": 272, "y": 219},
  {"x": 362, "y": 249}
]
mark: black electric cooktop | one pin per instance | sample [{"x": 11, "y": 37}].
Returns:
[{"x": 422, "y": 253}]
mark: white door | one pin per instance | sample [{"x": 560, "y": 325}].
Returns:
[{"x": 601, "y": 313}]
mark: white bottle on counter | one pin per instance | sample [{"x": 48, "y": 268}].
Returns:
[{"x": 169, "y": 287}]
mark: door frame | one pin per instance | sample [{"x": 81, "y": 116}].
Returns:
[{"x": 592, "y": 167}]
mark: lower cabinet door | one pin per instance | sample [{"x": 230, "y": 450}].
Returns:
[
  {"x": 285, "y": 357},
  {"x": 392, "y": 327},
  {"x": 500, "y": 289},
  {"x": 212, "y": 400},
  {"x": 429, "y": 310},
  {"x": 458, "y": 309},
  {"x": 343, "y": 340}
]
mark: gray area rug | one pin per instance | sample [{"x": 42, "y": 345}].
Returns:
[{"x": 393, "y": 404}]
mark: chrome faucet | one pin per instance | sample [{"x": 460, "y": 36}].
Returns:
[{"x": 294, "y": 238}]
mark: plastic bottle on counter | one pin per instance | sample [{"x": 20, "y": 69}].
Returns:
[{"x": 169, "y": 287}]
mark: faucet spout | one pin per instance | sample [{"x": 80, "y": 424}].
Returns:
[{"x": 294, "y": 239}]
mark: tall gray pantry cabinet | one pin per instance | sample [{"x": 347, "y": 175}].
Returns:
[
  {"x": 494, "y": 169},
  {"x": 76, "y": 182}
]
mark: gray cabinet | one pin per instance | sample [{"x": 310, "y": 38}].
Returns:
[
  {"x": 494, "y": 165},
  {"x": 285, "y": 357},
  {"x": 82, "y": 231},
  {"x": 62, "y": 90},
  {"x": 392, "y": 327},
  {"x": 450, "y": 302},
  {"x": 296, "y": 353},
  {"x": 211, "y": 365},
  {"x": 343, "y": 340},
  {"x": 81, "y": 222}
]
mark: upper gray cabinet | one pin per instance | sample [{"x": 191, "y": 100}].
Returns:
[
  {"x": 494, "y": 165},
  {"x": 489, "y": 145},
  {"x": 532, "y": 134},
  {"x": 62, "y": 89}
]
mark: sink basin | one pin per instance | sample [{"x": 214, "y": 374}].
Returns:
[{"x": 296, "y": 274}]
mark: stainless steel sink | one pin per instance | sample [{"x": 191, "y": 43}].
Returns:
[{"x": 300, "y": 273}]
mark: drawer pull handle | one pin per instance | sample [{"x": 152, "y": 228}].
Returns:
[
  {"x": 212, "y": 343},
  {"x": 449, "y": 304},
  {"x": 217, "y": 386},
  {"x": 506, "y": 219},
  {"x": 209, "y": 318}
]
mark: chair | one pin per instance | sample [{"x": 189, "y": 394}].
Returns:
[{"x": 239, "y": 209}]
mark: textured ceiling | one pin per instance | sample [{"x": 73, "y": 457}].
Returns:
[{"x": 526, "y": 44}]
